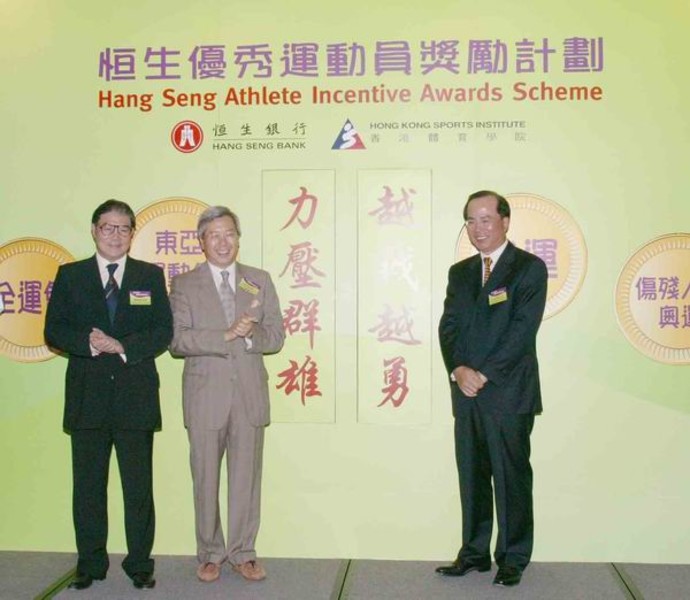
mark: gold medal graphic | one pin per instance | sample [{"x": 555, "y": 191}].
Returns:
[
  {"x": 653, "y": 299},
  {"x": 546, "y": 229},
  {"x": 166, "y": 235},
  {"x": 27, "y": 272}
]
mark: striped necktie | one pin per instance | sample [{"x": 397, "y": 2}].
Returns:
[
  {"x": 227, "y": 297},
  {"x": 111, "y": 289},
  {"x": 487, "y": 270}
]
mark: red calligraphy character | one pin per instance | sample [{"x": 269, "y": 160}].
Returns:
[
  {"x": 302, "y": 317},
  {"x": 395, "y": 328},
  {"x": 395, "y": 380},
  {"x": 394, "y": 211},
  {"x": 301, "y": 259},
  {"x": 300, "y": 202},
  {"x": 302, "y": 378}
]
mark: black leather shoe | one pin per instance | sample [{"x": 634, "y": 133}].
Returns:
[
  {"x": 463, "y": 567},
  {"x": 508, "y": 576},
  {"x": 143, "y": 581},
  {"x": 80, "y": 581}
]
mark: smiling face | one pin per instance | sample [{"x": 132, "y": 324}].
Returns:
[
  {"x": 221, "y": 242},
  {"x": 487, "y": 229},
  {"x": 112, "y": 235}
]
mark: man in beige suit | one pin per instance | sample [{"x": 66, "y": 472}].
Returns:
[{"x": 226, "y": 317}]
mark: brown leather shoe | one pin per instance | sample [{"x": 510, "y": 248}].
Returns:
[
  {"x": 208, "y": 572},
  {"x": 250, "y": 570}
]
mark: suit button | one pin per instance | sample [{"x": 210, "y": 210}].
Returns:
[{"x": 112, "y": 378}]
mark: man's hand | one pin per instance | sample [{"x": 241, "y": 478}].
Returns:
[
  {"x": 469, "y": 381},
  {"x": 103, "y": 343},
  {"x": 244, "y": 325}
]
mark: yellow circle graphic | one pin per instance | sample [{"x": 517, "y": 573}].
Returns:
[
  {"x": 653, "y": 299},
  {"x": 27, "y": 272},
  {"x": 545, "y": 228},
  {"x": 166, "y": 235}
]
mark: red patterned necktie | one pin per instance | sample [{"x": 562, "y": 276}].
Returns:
[{"x": 487, "y": 269}]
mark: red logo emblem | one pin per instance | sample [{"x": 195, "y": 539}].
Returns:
[{"x": 187, "y": 136}]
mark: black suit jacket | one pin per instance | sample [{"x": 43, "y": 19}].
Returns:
[
  {"x": 104, "y": 390},
  {"x": 498, "y": 339}
]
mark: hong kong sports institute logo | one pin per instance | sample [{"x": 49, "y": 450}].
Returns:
[
  {"x": 348, "y": 138},
  {"x": 187, "y": 136}
]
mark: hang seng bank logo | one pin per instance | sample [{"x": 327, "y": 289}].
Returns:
[{"x": 187, "y": 136}]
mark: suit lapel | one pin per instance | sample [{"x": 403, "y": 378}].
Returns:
[
  {"x": 502, "y": 268},
  {"x": 242, "y": 298},
  {"x": 497, "y": 276},
  {"x": 129, "y": 282},
  {"x": 209, "y": 297},
  {"x": 94, "y": 289},
  {"x": 129, "y": 278},
  {"x": 474, "y": 275},
  {"x": 208, "y": 294}
]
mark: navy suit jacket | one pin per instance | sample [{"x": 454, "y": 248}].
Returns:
[
  {"x": 499, "y": 338},
  {"x": 104, "y": 390}
]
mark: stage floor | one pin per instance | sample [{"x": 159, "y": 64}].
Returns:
[{"x": 45, "y": 575}]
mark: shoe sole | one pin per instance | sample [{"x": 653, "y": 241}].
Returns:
[{"x": 149, "y": 586}]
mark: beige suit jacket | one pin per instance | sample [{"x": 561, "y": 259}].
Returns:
[{"x": 215, "y": 369}]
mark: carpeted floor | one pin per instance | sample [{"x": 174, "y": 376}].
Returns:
[{"x": 45, "y": 575}]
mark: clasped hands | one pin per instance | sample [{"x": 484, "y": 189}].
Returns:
[
  {"x": 104, "y": 344},
  {"x": 469, "y": 380},
  {"x": 244, "y": 325}
]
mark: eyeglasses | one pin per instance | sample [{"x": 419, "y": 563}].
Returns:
[
  {"x": 109, "y": 229},
  {"x": 217, "y": 236}
]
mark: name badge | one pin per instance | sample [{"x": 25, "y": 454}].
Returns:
[
  {"x": 497, "y": 296},
  {"x": 249, "y": 286},
  {"x": 140, "y": 298}
]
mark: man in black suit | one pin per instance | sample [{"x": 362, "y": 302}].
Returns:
[
  {"x": 493, "y": 308},
  {"x": 110, "y": 314}
]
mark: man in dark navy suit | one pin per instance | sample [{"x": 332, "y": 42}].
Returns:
[
  {"x": 110, "y": 314},
  {"x": 494, "y": 305}
]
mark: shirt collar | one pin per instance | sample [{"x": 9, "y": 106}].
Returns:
[
  {"x": 103, "y": 267},
  {"x": 496, "y": 254},
  {"x": 218, "y": 278}
]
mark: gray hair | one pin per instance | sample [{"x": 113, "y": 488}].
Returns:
[{"x": 211, "y": 214}]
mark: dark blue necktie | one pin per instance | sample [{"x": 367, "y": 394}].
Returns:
[{"x": 111, "y": 292}]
